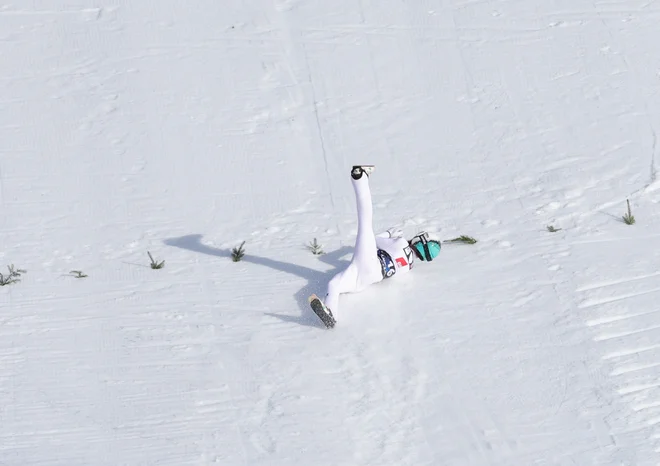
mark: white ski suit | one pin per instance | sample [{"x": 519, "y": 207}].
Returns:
[{"x": 366, "y": 267}]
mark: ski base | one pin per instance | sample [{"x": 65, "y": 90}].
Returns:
[{"x": 321, "y": 311}]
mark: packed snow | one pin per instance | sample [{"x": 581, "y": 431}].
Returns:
[{"x": 185, "y": 128}]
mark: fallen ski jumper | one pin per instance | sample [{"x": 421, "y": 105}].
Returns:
[{"x": 375, "y": 257}]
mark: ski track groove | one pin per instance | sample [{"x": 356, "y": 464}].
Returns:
[
  {"x": 600, "y": 301},
  {"x": 627, "y": 369},
  {"x": 620, "y": 281},
  {"x": 617, "y": 318},
  {"x": 634, "y": 365}
]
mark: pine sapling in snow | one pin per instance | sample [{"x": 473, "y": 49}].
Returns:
[
  {"x": 155, "y": 264},
  {"x": 628, "y": 217},
  {"x": 315, "y": 247},
  {"x": 12, "y": 276},
  {"x": 552, "y": 229},
  {"x": 462, "y": 239},
  {"x": 238, "y": 253}
]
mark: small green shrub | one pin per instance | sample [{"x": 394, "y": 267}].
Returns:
[
  {"x": 462, "y": 239},
  {"x": 154, "y": 264},
  {"x": 238, "y": 253},
  {"x": 628, "y": 218},
  {"x": 12, "y": 277},
  {"x": 315, "y": 247}
]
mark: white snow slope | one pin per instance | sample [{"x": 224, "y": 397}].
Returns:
[{"x": 184, "y": 128}]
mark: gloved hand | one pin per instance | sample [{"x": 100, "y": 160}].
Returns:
[{"x": 395, "y": 232}]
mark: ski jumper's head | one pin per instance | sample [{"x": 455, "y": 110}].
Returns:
[{"x": 424, "y": 248}]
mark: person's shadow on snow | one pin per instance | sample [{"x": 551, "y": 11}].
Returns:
[{"x": 316, "y": 280}]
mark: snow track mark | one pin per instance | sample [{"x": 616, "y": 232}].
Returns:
[
  {"x": 618, "y": 281},
  {"x": 626, "y": 323}
]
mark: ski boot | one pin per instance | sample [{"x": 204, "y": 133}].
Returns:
[{"x": 358, "y": 170}]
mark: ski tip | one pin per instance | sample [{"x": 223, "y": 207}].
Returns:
[{"x": 312, "y": 298}]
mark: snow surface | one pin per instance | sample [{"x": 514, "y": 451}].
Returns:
[{"x": 184, "y": 128}]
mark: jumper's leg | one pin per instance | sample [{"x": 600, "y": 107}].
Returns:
[{"x": 364, "y": 268}]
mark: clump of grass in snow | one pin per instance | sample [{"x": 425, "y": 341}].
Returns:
[
  {"x": 315, "y": 247},
  {"x": 154, "y": 264},
  {"x": 628, "y": 217},
  {"x": 78, "y": 274},
  {"x": 462, "y": 239},
  {"x": 238, "y": 253},
  {"x": 552, "y": 229},
  {"x": 12, "y": 276}
]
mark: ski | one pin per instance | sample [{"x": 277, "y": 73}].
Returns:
[{"x": 320, "y": 310}]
